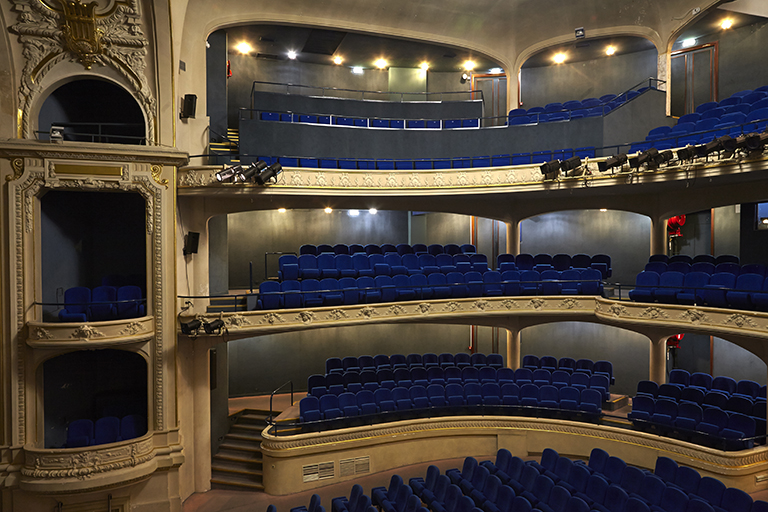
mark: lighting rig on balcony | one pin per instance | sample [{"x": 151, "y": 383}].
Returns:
[
  {"x": 551, "y": 170},
  {"x": 192, "y": 328},
  {"x": 612, "y": 162},
  {"x": 725, "y": 147},
  {"x": 258, "y": 172},
  {"x": 650, "y": 159}
]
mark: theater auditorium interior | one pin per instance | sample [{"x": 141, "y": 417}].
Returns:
[{"x": 398, "y": 256}]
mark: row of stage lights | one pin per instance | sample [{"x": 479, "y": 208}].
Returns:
[
  {"x": 653, "y": 158},
  {"x": 192, "y": 327},
  {"x": 259, "y": 172}
]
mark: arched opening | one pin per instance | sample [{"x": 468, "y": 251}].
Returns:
[
  {"x": 90, "y": 240},
  {"x": 93, "y": 111},
  {"x": 89, "y": 385}
]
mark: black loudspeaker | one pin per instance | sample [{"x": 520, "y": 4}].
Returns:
[
  {"x": 188, "y": 106},
  {"x": 190, "y": 243}
]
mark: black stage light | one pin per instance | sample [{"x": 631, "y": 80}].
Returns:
[
  {"x": 251, "y": 171},
  {"x": 228, "y": 173},
  {"x": 647, "y": 157},
  {"x": 614, "y": 161},
  {"x": 214, "y": 326},
  {"x": 724, "y": 143},
  {"x": 571, "y": 164},
  {"x": 551, "y": 169},
  {"x": 191, "y": 327},
  {"x": 663, "y": 157},
  {"x": 687, "y": 153},
  {"x": 751, "y": 141},
  {"x": 270, "y": 172}
]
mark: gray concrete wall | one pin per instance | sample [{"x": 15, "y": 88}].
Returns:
[
  {"x": 741, "y": 57},
  {"x": 628, "y": 351},
  {"x": 624, "y": 236},
  {"x": 588, "y": 79},
  {"x": 696, "y": 234},
  {"x": 727, "y": 236},
  {"x": 219, "y": 394},
  {"x": 645, "y": 112},
  {"x": 216, "y": 83},
  {"x": 218, "y": 255}
]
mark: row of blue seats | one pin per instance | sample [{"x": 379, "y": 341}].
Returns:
[
  {"x": 730, "y": 403},
  {"x": 722, "y": 290},
  {"x": 568, "y": 364},
  {"x": 309, "y": 266},
  {"x": 727, "y": 385},
  {"x": 500, "y": 160},
  {"x": 752, "y": 99},
  {"x": 560, "y": 262},
  {"x": 109, "y": 429},
  {"x": 370, "y": 122},
  {"x": 352, "y": 382},
  {"x": 104, "y": 303},
  {"x": 383, "y": 405},
  {"x": 573, "y": 109},
  {"x": 401, "y": 249},
  {"x": 368, "y": 290},
  {"x": 708, "y": 258},
  {"x": 689, "y": 134},
  {"x": 608, "y": 484},
  {"x": 708, "y": 268},
  {"x": 395, "y": 361},
  {"x": 708, "y": 426}
]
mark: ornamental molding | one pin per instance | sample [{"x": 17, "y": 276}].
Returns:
[
  {"x": 424, "y": 308},
  {"x": 740, "y": 320},
  {"x": 618, "y": 310},
  {"x": 131, "y": 329},
  {"x": 389, "y": 432},
  {"x": 654, "y": 313},
  {"x": 306, "y": 317},
  {"x": 694, "y": 316},
  {"x": 536, "y": 304},
  {"x": 569, "y": 303},
  {"x": 236, "y": 320},
  {"x": 60, "y": 30},
  {"x": 25, "y": 193},
  {"x": 272, "y": 318},
  {"x": 396, "y": 310},
  {"x": 86, "y": 332},
  {"x": 367, "y": 312},
  {"x": 337, "y": 314},
  {"x": 88, "y": 462}
]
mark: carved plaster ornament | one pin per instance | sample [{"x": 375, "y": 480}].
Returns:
[{"x": 103, "y": 33}]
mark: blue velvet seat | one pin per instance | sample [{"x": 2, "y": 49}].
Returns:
[{"x": 76, "y": 301}]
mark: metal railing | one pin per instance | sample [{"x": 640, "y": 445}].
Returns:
[
  {"x": 335, "y": 92},
  {"x": 100, "y": 135},
  {"x": 274, "y": 430}
]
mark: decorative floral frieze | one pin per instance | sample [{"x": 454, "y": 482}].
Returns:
[
  {"x": 396, "y": 310},
  {"x": 510, "y": 304},
  {"x": 194, "y": 178},
  {"x": 740, "y": 320},
  {"x": 38, "y": 333},
  {"x": 85, "y": 332},
  {"x": 569, "y": 303},
  {"x": 272, "y": 318},
  {"x": 481, "y": 305},
  {"x": 131, "y": 329},
  {"x": 306, "y": 317},
  {"x": 536, "y": 304},
  {"x": 337, "y": 314},
  {"x": 367, "y": 312},
  {"x": 654, "y": 313},
  {"x": 694, "y": 316},
  {"x": 452, "y": 306},
  {"x": 425, "y": 308},
  {"x": 237, "y": 320},
  {"x": 618, "y": 310}
]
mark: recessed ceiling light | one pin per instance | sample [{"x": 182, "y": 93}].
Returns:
[
  {"x": 357, "y": 70},
  {"x": 292, "y": 54},
  {"x": 424, "y": 66},
  {"x": 281, "y": 210},
  {"x": 610, "y": 50},
  {"x": 726, "y": 23},
  {"x": 328, "y": 209},
  {"x": 687, "y": 43},
  {"x": 338, "y": 59},
  {"x": 559, "y": 58},
  {"x": 373, "y": 211},
  {"x": 353, "y": 213},
  {"x": 469, "y": 65},
  {"x": 381, "y": 63},
  {"x": 244, "y": 48},
  {"x": 603, "y": 209},
  {"x": 496, "y": 71}
]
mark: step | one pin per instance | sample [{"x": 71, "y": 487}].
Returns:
[
  {"x": 244, "y": 437},
  {"x": 616, "y": 402},
  {"x": 248, "y": 457},
  {"x": 236, "y": 484},
  {"x": 247, "y": 427},
  {"x": 240, "y": 468},
  {"x": 240, "y": 445}
]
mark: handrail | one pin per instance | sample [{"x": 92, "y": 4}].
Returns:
[
  {"x": 99, "y": 126},
  {"x": 600, "y": 151},
  {"x": 270, "y": 420},
  {"x": 362, "y": 92},
  {"x": 63, "y": 304}
]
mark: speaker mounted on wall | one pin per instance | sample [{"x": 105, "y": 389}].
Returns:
[
  {"x": 188, "y": 106},
  {"x": 191, "y": 240}
]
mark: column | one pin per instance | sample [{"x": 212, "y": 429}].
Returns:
[
  {"x": 202, "y": 407},
  {"x": 513, "y": 347},
  {"x": 657, "y": 370},
  {"x": 658, "y": 236},
  {"x": 513, "y": 237}
]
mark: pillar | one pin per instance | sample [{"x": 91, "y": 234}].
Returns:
[
  {"x": 202, "y": 407},
  {"x": 513, "y": 237},
  {"x": 658, "y": 236},
  {"x": 663, "y": 63},
  {"x": 513, "y": 348},
  {"x": 658, "y": 363}
]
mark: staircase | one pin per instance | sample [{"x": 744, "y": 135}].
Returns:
[
  {"x": 237, "y": 465},
  {"x": 228, "y": 150}
]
